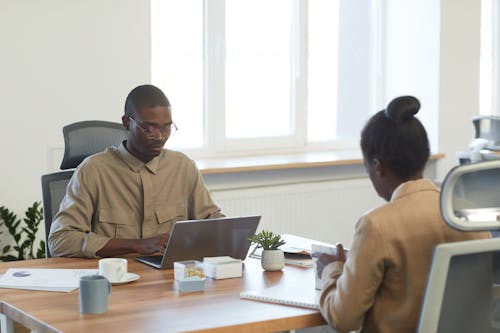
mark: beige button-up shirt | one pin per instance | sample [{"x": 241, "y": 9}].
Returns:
[
  {"x": 381, "y": 285},
  {"x": 115, "y": 195}
]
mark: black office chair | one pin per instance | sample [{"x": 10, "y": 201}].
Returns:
[
  {"x": 84, "y": 138},
  {"x": 53, "y": 191},
  {"x": 81, "y": 139}
]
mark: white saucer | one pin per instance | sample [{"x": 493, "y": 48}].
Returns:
[{"x": 129, "y": 277}]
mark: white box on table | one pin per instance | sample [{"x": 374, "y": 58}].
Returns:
[{"x": 222, "y": 267}]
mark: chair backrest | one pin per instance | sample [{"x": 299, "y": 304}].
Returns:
[
  {"x": 53, "y": 191},
  {"x": 469, "y": 196},
  {"x": 84, "y": 138},
  {"x": 462, "y": 288}
]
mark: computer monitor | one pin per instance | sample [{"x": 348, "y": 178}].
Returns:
[{"x": 462, "y": 293}]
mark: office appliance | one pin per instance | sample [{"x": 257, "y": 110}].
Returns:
[
  {"x": 488, "y": 127},
  {"x": 196, "y": 239},
  {"x": 486, "y": 142}
]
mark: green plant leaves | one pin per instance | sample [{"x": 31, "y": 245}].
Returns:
[
  {"x": 267, "y": 240},
  {"x": 24, "y": 249}
]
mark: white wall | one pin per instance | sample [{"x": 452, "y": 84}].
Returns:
[
  {"x": 458, "y": 77},
  {"x": 62, "y": 61},
  {"x": 66, "y": 60}
]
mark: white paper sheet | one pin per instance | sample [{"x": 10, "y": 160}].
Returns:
[{"x": 57, "y": 279}]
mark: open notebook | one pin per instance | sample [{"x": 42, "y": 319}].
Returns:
[{"x": 303, "y": 298}]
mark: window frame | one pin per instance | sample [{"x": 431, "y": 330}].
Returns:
[{"x": 216, "y": 144}]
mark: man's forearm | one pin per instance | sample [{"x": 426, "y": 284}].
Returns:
[{"x": 117, "y": 247}]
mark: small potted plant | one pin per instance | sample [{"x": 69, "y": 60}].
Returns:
[{"x": 273, "y": 259}]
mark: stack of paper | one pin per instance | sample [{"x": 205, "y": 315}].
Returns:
[
  {"x": 58, "y": 279},
  {"x": 222, "y": 267}
]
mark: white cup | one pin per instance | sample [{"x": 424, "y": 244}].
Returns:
[{"x": 114, "y": 269}]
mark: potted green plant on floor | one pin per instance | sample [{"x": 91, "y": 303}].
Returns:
[
  {"x": 23, "y": 232},
  {"x": 273, "y": 259}
]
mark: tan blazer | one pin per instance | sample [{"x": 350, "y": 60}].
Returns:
[{"x": 381, "y": 285}]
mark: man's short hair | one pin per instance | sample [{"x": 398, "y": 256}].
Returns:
[{"x": 144, "y": 96}]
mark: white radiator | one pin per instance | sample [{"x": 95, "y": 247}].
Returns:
[{"x": 325, "y": 211}]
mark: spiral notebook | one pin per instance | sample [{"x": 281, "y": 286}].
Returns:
[{"x": 303, "y": 298}]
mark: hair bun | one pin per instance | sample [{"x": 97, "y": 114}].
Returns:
[{"x": 402, "y": 108}]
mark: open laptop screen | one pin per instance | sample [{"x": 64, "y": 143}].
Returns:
[{"x": 195, "y": 239}]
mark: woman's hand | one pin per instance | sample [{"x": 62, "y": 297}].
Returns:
[{"x": 323, "y": 259}]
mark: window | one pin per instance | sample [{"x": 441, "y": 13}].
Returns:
[
  {"x": 257, "y": 86},
  {"x": 322, "y": 70},
  {"x": 261, "y": 76},
  {"x": 177, "y": 65}
]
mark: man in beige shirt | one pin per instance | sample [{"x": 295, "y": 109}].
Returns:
[{"x": 127, "y": 198}]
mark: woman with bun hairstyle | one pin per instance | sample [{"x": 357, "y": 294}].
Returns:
[{"x": 379, "y": 285}]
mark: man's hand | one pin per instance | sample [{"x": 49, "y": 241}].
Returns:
[
  {"x": 323, "y": 259},
  {"x": 117, "y": 247},
  {"x": 153, "y": 244}
]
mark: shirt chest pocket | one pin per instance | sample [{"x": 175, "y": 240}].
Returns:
[
  {"x": 117, "y": 223},
  {"x": 168, "y": 215}
]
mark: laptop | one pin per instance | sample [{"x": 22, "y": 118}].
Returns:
[{"x": 195, "y": 239}]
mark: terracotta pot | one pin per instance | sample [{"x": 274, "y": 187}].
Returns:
[{"x": 273, "y": 260}]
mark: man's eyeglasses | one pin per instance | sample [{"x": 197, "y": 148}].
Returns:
[{"x": 150, "y": 130}]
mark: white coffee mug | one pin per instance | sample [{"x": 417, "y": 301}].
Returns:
[{"x": 114, "y": 269}]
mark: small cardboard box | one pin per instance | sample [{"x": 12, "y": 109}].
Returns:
[{"x": 222, "y": 267}]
